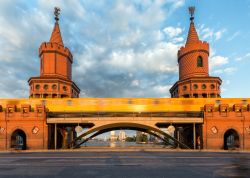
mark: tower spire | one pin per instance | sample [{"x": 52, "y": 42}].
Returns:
[
  {"x": 191, "y": 10},
  {"x": 192, "y": 34},
  {"x": 57, "y": 13},
  {"x": 56, "y": 34}
]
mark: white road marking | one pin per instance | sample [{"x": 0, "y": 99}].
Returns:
[
  {"x": 105, "y": 164},
  {"x": 205, "y": 164}
]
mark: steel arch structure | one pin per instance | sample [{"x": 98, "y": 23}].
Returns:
[{"x": 127, "y": 125}]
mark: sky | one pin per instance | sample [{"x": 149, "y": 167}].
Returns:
[{"x": 124, "y": 48}]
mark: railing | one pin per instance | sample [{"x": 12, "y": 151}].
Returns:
[{"x": 123, "y": 114}]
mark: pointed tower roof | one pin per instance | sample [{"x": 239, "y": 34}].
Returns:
[
  {"x": 56, "y": 35},
  {"x": 192, "y": 34}
]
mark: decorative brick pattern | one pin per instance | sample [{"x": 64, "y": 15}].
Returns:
[
  {"x": 191, "y": 74},
  {"x": 55, "y": 80}
]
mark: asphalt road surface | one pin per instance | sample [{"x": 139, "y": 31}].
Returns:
[{"x": 124, "y": 164}]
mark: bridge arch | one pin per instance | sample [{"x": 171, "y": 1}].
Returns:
[{"x": 97, "y": 130}]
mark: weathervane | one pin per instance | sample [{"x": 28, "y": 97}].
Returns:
[
  {"x": 57, "y": 13},
  {"x": 191, "y": 10}
]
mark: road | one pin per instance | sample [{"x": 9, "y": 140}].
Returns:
[{"x": 124, "y": 164}]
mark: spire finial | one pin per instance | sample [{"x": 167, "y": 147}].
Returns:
[
  {"x": 57, "y": 13},
  {"x": 191, "y": 10}
]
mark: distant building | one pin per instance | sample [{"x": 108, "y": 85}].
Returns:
[
  {"x": 122, "y": 135},
  {"x": 113, "y": 136}
]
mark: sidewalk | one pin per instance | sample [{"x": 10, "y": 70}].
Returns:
[{"x": 131, "y": 149}]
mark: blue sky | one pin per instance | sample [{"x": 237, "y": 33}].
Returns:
[{"x": 124, "y": 48}]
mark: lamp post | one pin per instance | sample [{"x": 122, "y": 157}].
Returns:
[
  {"x": 178, "y": 135},
  {"x": 243, "y": 136}
]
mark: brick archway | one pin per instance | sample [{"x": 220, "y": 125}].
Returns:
[
  {"x": 231, "y": 139},
  {"x": 19, "y": 140}
]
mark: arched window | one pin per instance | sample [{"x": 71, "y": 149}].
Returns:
[
  {"x": 37, "y": 87},
  {"x": 199, "y": 61},
  {"x": 45, "y": 87}
]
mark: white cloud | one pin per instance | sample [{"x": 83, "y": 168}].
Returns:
[
  {"x": 233, "y": 36},
  {"x": 223, "y": 89},
  {"x": 246, "y": 56},
  {"x": 160, "y": 58},
  {"x": 238, "y": 58},
  {"x": 116, "y": 45},
  {"x": 207, "y": 33},
  {"x": 216, "y": 61},
  {"x": 219, "y": 34},
  {"x": 174, "y": 34},
  {"x": 178, "y": 40},
  {"x": 135, "y": 83},
  {"x": 228, "y": 71},
  {"x": 175, "y": 4},
  {"x": 162, "y": 89},
  {"x": 210, "y": 34},
  {"x": 172, "y": 31},
  {"x": 218, "y": 72}
]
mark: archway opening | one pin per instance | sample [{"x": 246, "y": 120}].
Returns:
[
  {"x": 91, "y": 133},
  {"x": 231, "y": 139},
  {"x": 125, "y": 137},
  {"x": 18, "y": 140}
]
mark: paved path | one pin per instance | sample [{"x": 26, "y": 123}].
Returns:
[{"x": 124, "y": 164}]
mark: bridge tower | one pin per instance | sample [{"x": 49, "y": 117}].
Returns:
[
  {"x": 55, "y": 80},
  {"x": 194, "y": 80}
]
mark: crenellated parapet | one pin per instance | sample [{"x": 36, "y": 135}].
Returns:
[
  {"x": 226, "y": 108},
  {"x": 12, "y": 111},
  {"x": 200, "y": 46},
  {"x": 55, "y": 48}
]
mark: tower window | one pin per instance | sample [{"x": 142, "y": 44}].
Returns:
[
  {"x": 45, "y": 87},
  {"x": 37, "y": 87},
  {"x": 212, "y": 86},
  {"x": 64, "y": 88},
  {"x": 203, "y": 86},
  {"x": 199, "y": 61},
  {"x": 184, "y": 88},
  {"x": 54, "y": 87},
  {"x": 195, "y": 86}
]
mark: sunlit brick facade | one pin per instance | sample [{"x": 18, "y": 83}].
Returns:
[
  {"x": 198, "y": 116},
  {"x": 55, "y": 80},
  {"x": 194, "y": 80}
]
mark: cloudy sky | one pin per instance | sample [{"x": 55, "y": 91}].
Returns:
[{"x": 124, "y": 48}]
